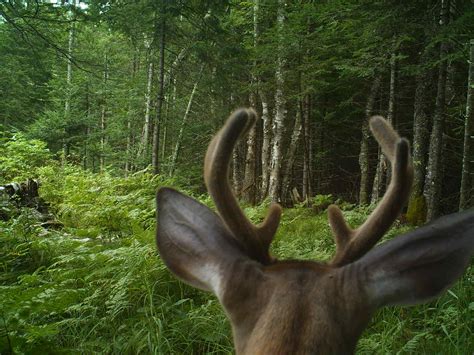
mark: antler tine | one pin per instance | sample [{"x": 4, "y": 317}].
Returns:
[
  {"x": 255, "y": 240},
  {"x": 351, "y": 244}
]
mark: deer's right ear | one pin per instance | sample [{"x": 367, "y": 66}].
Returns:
[
  {"x": 193, "y": 241},
  {"x": 421, "y": 264}
]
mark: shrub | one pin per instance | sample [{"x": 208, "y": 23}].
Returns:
[{"x": 20, "y": 158}]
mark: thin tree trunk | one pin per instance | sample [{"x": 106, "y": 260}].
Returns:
[
  {"x": 238, "y": 165},
  {"x": 169, "y": 103},
  {"x": 249, "y": 192},
  {"x": 364, "y": 144},
  {"x": 143, "y": 148},
  {"x": 434, "y": 175},
  {"x": 87, "y": 130},
  {"x": 103, "y": 117},
  {"x": 381, "y": 173},
  {"x": 266, "y": 140},
  {"x": 164, "y": 138},
  {"x": 307, "y": 173},
  {"x": 275, "y": 183},
  {"x": 466, "y": 192},
  {"x": 238, "y": 160},
  {"x": 416, "y": 206},
  {"x": 290, "y": 159},
  {"x": 159, "y": 102},
  {"x": 67, "y": 102},
  {"x": 129, "y": 162},
  {"x": 181, "y": 129},
  {"x": 250, "y": 179}
]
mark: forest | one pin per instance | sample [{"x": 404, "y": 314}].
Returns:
[{"x": 104, "y": 102}]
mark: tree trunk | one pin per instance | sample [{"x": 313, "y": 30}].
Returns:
[
  {"x": 174, "y": 159},
  {"x": 466, "y": 192},
  {"x": 307, "y": 173},
  {"x": 143, "y": 149},
  {"x": 364, "y": 144},
  {"x": 159, "y": 102},
  {"x": 275, "y": 183},
  {"x": 266, "y": 141},
  {"x": 169, "y": 103},
  {"x": 130, "y": 162},
  {"x": 103, "y": 117},
  {"x": 434, "y": 175},
  {"x": 416, "y": 206},
  {"x": 67, "y": 102},
  {"x": 381, "y": 173},
  {"x": 85, "y": 158},
  {"x": 249, "y": 192},
  {"x": 237, "y": 169},
  {"x": 290, "y": 159}
]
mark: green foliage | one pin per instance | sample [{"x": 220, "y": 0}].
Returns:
[
  {"x": 68, "y": 290},
  {"x": 89, "y": 297},
  {"x": 20, "y": 158},
  {"x": 62, "y": 292},
  {"x": 100, "y": 205}
]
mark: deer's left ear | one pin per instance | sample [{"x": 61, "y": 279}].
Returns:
[
  {"x": 193, "y": 241},
  {"x": 421, "y": 264}
]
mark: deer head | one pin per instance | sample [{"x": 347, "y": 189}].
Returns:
[{"x": 302, "y": 307}]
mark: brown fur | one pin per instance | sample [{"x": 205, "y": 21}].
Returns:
[{"x": 295, "y": 307}]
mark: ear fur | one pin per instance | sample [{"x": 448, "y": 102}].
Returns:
[
  {"x": 193, "y": 241},
  {"x": 421, "y": 264}
]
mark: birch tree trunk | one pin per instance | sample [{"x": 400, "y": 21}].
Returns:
[
  {"x": 155, "y": 161},
  {"x": 129, "y": 161},
  {"x": 181, "y": 129},
  {"x": 143, "y": 149},
  {"x": 275, "y": 183},
  {"x": 364, "y": 143},
  {"x": 266, "y": 145},
  {"x": 380, "y": 177},
  {"x": 67, "y": 101},
  {"x": 434, "y": 176},
  {"x": 466, "y": 192}
]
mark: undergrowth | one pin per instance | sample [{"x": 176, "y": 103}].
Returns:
[{"x": 99, "y": 286}]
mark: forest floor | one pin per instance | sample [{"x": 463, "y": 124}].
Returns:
[{"x": 98, "y": 285}]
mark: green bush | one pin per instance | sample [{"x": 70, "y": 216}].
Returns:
[
  {"x": 101, "y": 205},
  {"x": 20, "y": 158}
]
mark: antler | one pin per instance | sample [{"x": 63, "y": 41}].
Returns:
[
  {"x": 255, "y": 240},
  {"x": 351, "y": 244}
]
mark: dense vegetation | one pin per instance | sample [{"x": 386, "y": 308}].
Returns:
[
  {"x": 97, "y": 285},
  {"x": 106, "y": 101}
]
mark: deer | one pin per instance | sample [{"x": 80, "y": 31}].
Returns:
[{"x": 307, "y": 307}]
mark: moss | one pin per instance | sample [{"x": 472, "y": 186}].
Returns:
[{"x": 416, "y": 213}]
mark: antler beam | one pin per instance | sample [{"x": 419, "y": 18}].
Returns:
[
  {"x": 255, "y": 240},
  {"x": 351, "y": 244}
]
